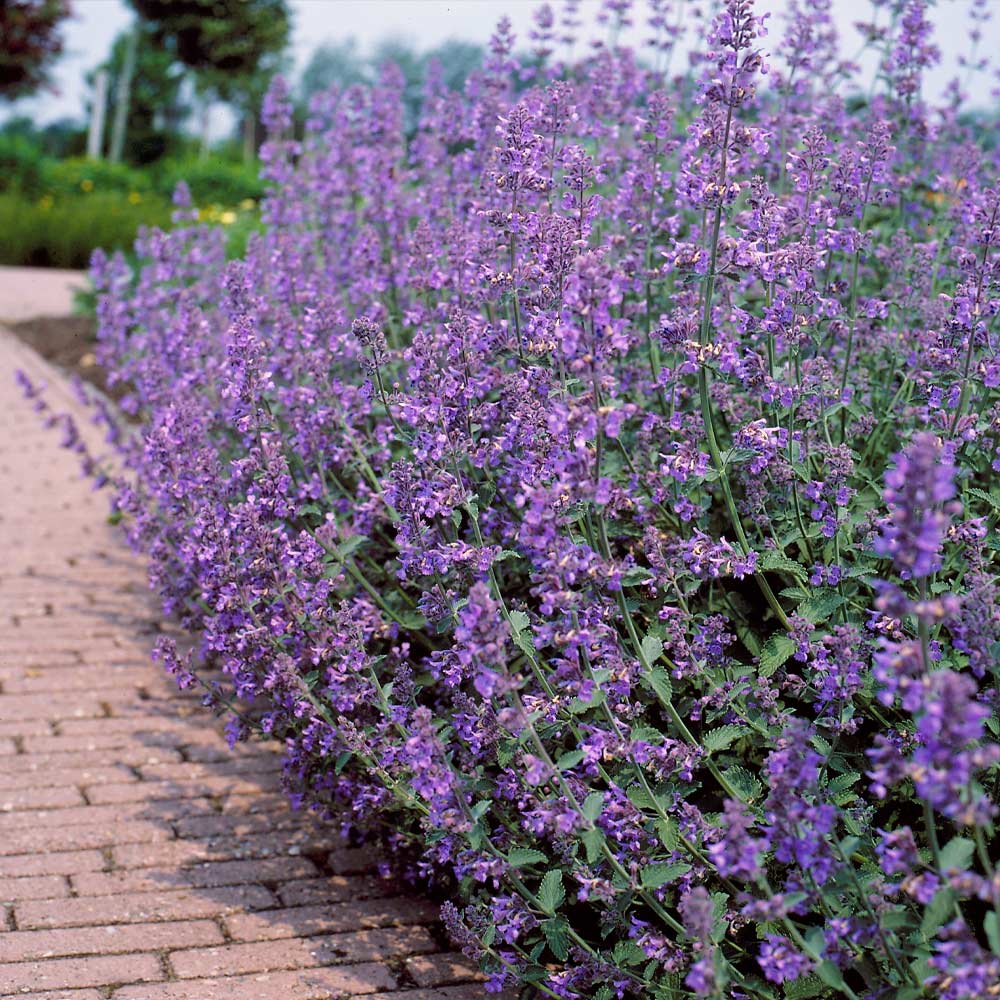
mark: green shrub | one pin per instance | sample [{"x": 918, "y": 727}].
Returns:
[
  {"x": 212, "y": 181},
  {"x": 20, "y": 164},
  {"x": 64, "y": 231},
  {"x": 79, "y": 174}
]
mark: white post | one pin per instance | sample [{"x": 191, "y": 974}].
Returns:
[
  {"x": 122, "y": 94},
  {"x": 95, "y": 133}
]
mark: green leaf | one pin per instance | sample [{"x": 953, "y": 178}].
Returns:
[
  {"x": 551, "y": 892},
  {"x": 957, "y": 854},
  {"x": 569, "y": 760},
  {"x": 776, "y": 650},
  {"x": 747, "y": 784},
  {"x": 669, "y": 834},
  {"x": 521, "y": 628},
  {"x": 593, "y": 841},
  {"x": 635, "y": 576},
  {"x": 592, "y": 806},
  {"x": 653, "y": 876},
  {"x": 520, "y": 856},
  {"x": 724, "y": 736},
  {"x": 659, "y": 681},
  {"x": 774, "y": 560},
  {"x": 992, "y": 927},
  {"x": 556, "y": 933},
  {"x": 652, "y": 649},
  {"x": 991, "y": 498},
  {"x": 938, "y": 911},
  {"x": 830, "y": 974},
  {"x": 820, "y": 608}
]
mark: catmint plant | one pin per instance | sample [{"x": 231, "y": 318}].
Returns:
[{"x": 593, "y": 487}]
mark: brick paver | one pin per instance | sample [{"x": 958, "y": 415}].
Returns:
[{"x": 141, "y": 859}]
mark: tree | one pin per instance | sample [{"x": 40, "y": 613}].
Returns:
[
  {"x": 233, "y": 46},
  {"x": 332, "y": 65},
  {"x": 155, "y": 108},
  {"x": 29, "y": 41}
]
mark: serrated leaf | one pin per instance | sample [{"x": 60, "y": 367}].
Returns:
[
  {"x": 774, "y": 560},
  {"x": 653, "y": 876},
  {"x": 747, "y": 784},
  {"x": 592, "y": 806},
  {"x": 957, "y": 854},
  {"x": 937, "y": 912},
  {"x": 635, "y": 576},
  {"x": 647, "y": 734},
  {"x": 593, "y": 841},
  {"x": 520, "y": 626},
  {"x": 551, "y": 893},
  {"x": 556, "y": 933},
  {"x": 652, "y": 649},
  {"x": 775, "y": 652},
  {"x": 569, "y": 760},
  {"x": 820, "y": 608},
  {"x": 668, "y": 831},
  {"x": 519, "y": 856},
  {"x": 721, "y": 738},
  {"x": 659, "y": 681},
  {"x": 991, "y": 498}
]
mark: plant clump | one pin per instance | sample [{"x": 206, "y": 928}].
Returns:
[{"x": 594, "y": 491}]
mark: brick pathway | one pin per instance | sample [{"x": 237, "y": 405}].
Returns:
[{"x": 141, "y": 859}]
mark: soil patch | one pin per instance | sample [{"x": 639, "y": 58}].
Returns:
[{"x": 66, "y": 341}]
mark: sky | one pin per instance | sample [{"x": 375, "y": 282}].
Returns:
[{"x": 425, "y": 23}]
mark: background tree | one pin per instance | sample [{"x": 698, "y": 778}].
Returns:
[
  {"x": 29, "y": 41},
  {"x": 233, "y": 46},
  {"x": 156, "y": 107}
]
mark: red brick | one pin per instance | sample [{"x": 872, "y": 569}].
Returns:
[
  {"x": 196, "y": 772},
  {"x": 162, "y": 811},
  {"x": 467, "y": 991},
  {"x": 37, "y": 706},
  {"x": 140, "y": 725},
  {"x": 67, "y": 776},
  {"x": 110, "y": 740},
  {"x": 215, "y": 873},
  {"x": 183, "y": 904},
  {"x": 314, "y": 984},
  {"x": 66, "y": 863},
  {"x": 299, "y": 953},
  {"x": 38, "y": 798},
  {"x": 78, "y": 838},
  {"x": 241, "y": 825},
  {"x": 349, "y": 860},
  {"x": 292, "y": 843},
  {"x": 115, "y": 939},
  {"x": 33, "y": 887},
  {"x": 441, "y": 969},
  {"x": 58, "y": 995},
  {"x": 64, "y": 679},
  {"x": 26, "y": 727},
  {"x": 95, "y": 970},
  {"x": 133, "y": 756},
  {"x": 146, "y": 791},
  {"x": 332, "y": 919},
  {"x": 336, "y": 889}
]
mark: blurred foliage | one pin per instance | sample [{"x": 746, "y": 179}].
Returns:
[
  {"x": 29, "y": 41},
  {"x": 156, "y": 111},
  {"x": 63, "y": 232}
]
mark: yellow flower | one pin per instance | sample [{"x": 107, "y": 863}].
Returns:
[
  {"x": 247, "y": 203},
  {"x": 86, "y": 184},
  {"x": 134, "y": 197},
  {"x": 228, "y": 217}
]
